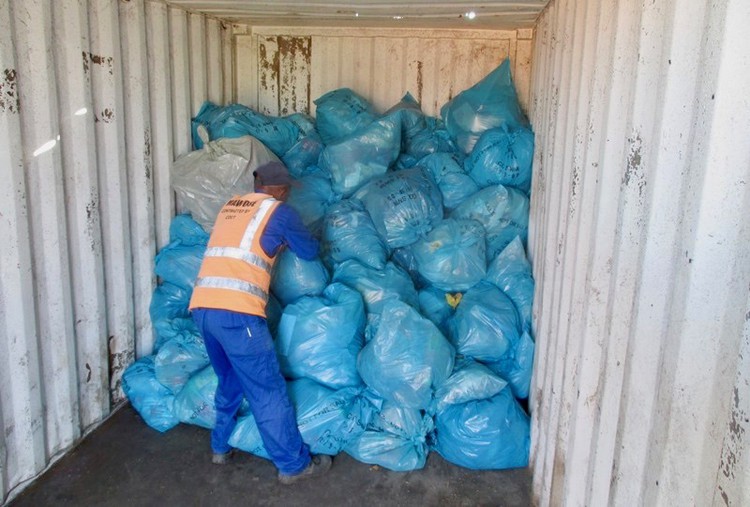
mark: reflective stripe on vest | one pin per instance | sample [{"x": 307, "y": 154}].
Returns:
[
  {"x": 218, "y": 282},
  {"x": 252, "y": 227},
  {"x": 238, "y": 253}
]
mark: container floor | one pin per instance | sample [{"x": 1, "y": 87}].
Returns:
[{"x": 124, "y": 462}]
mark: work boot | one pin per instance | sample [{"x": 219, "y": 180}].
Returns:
[
  {"x": 222, "y": 458},
  {"x": 319, "y": 464}
]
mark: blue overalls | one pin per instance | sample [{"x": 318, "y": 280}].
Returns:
[{"x": 243, "y": 356}]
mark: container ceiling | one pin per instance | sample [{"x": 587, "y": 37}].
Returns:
[{"x": 500, "y": 14}]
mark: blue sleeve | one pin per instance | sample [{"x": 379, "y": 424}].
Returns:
[{"x": 285, "y": 227}]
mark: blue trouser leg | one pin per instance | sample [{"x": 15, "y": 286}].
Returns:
[
  {"x": 247, "y": 345},
  {"x": 228, "y": 393}
]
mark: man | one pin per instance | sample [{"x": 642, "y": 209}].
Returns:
[{"x": 228, "y": 305}]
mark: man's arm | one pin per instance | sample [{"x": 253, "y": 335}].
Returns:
[{"x": 285, "y": 228}]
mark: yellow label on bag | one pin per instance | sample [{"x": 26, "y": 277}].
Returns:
[{"x": 453, "y": 299}]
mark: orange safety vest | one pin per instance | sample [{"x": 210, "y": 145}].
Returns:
[{"x": 236, "y": 273}]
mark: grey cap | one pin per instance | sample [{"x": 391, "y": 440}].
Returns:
[{"x": 272, "y": 174}]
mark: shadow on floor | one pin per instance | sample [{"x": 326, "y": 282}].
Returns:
[{"x": 124, "y": 462}]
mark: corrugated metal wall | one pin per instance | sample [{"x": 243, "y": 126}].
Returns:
[
  {"x": 95, "y": 102},
  {"x": 641, "y": 249},
  {"x": 281, "y": 70},
  {"x": 639, "y": 214}
]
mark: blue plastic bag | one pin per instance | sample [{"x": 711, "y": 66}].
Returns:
[
  {"x": 179, "y": 264},
  {"x": 273, "y": 314},
  {"x": 516, "y": 366},
  {"x": 452, "y": 256},
  {"x": 153, "y": 401},
  {"x": 363, "y": 155},
  {"x": 407, "y": 358},
  {"x": 484, "y": 434},
  {"x": 377, "y": 287},
  {"x": 166, "y": 329},
  {"x": 404, "y": 206},
  {"x": 404, "y": 259},
  {"x": 454, "y": 184},
  {"x": 503, "y": 211},
  {"x": 504, "y": 156},
  {"x": 328, "y": 420},
  {"x": 277, "y": 134},
  {"x": 303, "y": 154},
  {"x": 169, "y": 312},
  {"x": 511, "y": 273},
  {"x": 319, "y": 337},
  {"x": 434, "y": 304},
  {"x": 246, "y": 437},
  {"x": 404, "y": 161},
  {"x": 202, "y": 120},
  {"x": 340, "y": 113},
  {"x": 181, "y": 356},
  {"x": 294, "y": 278},
  {"x": 306, "y": 151},
  {"x": 237, "y": 120},
  {"x": 187, "y": 231},
  {"x": 304, "y": 122},
  {"x": 486, "y": 324},
  {"x": 194, "y": 404},
  {"x": 310, "y": 198},
  {"x": 469, "y": 381},
  {"x": 169, "y": 301},
  {"x": 489, "y": 103},
  {"x": 411, "y": 117},
  {"x": 395, "y": 439},
  {"x": 349, "y": 234},
  {"x": 434, "y": 138}
]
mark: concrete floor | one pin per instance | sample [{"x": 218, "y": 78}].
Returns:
[{"x": 124, "y": 462}]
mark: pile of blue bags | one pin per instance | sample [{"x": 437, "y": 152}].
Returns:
[{"x": 412, "y": 331}]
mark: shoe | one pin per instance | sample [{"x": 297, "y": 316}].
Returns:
[
  {"x": 319, "y": 464},
  {"x": 222, "y": 458}
]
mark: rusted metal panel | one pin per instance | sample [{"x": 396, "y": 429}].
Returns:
[
  {"x": 245, "y": 60},
  {"x": 42, "y": 142},
  {"x": 227, "y": 59},
  {"x": 268, "y": 75},
  {"x": 198, "y": 60},
  {"x": 137, "y": 105},
  {"x": 22, "y": 435},
  {"x": 283, "y": 81},
  {"x": 381, "y": 65},
  {"x": 325, "y": 55},
  {"x": 733, "y": 483},
  {"x": 82, "y": 201},
  {"x": 641, "y": 253},
  {"x": 109, "y": 122},
  {"x": 389, "y": 58},
  {"x": 182, "y": 104},
  {"x": 89, "y": 129},
  {"x": 522, "y": 65},
  {"x": 294, "y": 75},
  {"x": 214, "y": 63},
  {"x": 160, "y": 94}
]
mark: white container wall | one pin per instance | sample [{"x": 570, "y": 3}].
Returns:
[
  {"x": 640, "y": 238},
  {"x": 641, "y": 250},
  {"x": 95, "y": 102},
  {"x": 281, "y": 70}
]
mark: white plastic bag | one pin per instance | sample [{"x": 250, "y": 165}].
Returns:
[{"x": 206, "y": 179}]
